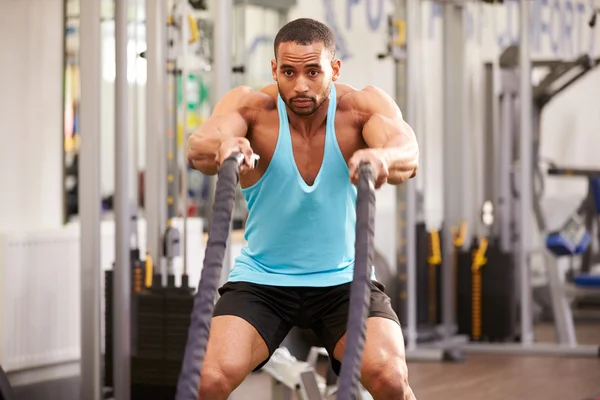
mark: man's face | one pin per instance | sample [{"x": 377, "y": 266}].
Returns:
[{"x": 304, "y": 74}]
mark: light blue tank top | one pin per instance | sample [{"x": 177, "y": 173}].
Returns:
[{"x": 300, "y": 235}]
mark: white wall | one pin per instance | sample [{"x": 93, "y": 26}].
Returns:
[
  {"x": 31, "y": 114},
  {"x": 32, "y": 92}
]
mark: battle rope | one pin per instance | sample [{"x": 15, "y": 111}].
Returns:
[
  {"x": 360, "y": 289},
  {"x": 204, "y": 300}
]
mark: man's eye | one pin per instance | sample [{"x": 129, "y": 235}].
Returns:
[
  {"x": 313, "y": 73},
  {"x": 288, "y": 73}
]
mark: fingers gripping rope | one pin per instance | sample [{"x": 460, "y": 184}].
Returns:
[
  {"x": 189, "y": 377},
  {"x": 360, "y": 289}
]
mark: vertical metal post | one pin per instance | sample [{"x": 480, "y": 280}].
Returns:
[
  {"x": 239, "y": 45},
  {"x": 403, "y": 225},
  {"x": 222, "y": 47},
  {"x": 505, "y": 156},
  {"x": 223, "y": 70},
  {"x": 135, "y": 115},
  {"x": 122, "y": 272},
  {"x": 156, "y": 104},
  {"x": 90, "y": 200},
  {"x": 413, "y": 16},
  {"x": 222, "y": 73},
  {"x": 183, "y": 157},
  {"x": 172, "y": 130},
  {"x": 453, "y": 148},
  {"x": 526, "y": 147}
]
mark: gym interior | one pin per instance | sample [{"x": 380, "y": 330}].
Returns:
[{"x": 491, "y": 254}]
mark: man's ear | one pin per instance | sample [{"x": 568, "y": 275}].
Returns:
[
  {"x": 274, "y": 69},
  {"x": 336, "y": 64}
]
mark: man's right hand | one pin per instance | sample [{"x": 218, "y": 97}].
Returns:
[{"x": 236, "y": 145}]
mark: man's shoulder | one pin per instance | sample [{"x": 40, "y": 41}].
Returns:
[
  {"x": 255, "y": 99},
  {"x": 363, "y": 99}
]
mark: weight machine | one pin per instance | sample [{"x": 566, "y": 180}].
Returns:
[
  {"x": 135, "y": 286},
  {"x": 517, "y": 181},
  {"x": 439, "y": 341},
  {"x": 575, "y": 239}
]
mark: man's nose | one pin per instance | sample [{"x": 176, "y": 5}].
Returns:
[{"x": 301, "y": 85}]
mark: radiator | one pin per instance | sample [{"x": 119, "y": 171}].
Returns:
[
  {"x": 39, "y": 299},
  {"x": 39, "y": 291}
]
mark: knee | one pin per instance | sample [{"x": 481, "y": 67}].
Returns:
[
  {"x": 389, "y": 380},
  {"x": 214, "y": 384}
]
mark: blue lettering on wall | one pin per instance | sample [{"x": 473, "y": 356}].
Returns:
[
  {"x": 374, "y": 21},
  {"x": 349, "y": 5},
  {"x": 592, "y": 31},
  {"x": 510, "y": 36},
  {"x": 342, "y": 50},
  {"x": 512, "y": 11},
  {"x": 543, "y": 24},
  {"x": 578, "y": 16},
  {"x": 436, "y": 12},
  {"x": 555, "y": 24},
  {"x": 568, "y": 29}
]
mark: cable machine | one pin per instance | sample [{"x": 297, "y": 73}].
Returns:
[{"x": 515, "y": 185}]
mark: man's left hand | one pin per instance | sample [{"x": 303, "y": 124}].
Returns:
[{"x": 377, "y": 161}]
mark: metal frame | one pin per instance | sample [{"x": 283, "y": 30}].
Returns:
[
  {"x": 518, "y": 213},
  {"x": 526, "y": 134},
  {"x": 453, "y": 142},
  {"x": 407, "y": 63},
  {"x": 155, "y": 182},
  {"x": 122, "y": 268},
  {"x": 90, "y": 200}
]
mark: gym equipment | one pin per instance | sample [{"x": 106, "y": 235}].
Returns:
[
  {"x": 583, "y": 221},
  {"x": 486, "y": 285},
  {"x": 511, "y": 230},
  {"x": 424, "y": 342},
  {"x": 6, "y": 392},
  {"x": 574, "y": 240}
]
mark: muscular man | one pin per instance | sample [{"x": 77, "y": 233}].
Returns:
[{"x": 311, "y": 133}]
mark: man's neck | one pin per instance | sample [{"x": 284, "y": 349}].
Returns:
[{"x": 308, "y": 125}]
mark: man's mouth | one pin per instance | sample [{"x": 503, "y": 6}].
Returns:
[{"x": 302, "y": 102}]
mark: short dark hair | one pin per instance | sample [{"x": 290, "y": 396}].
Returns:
[{"x": 305, "y": 31}]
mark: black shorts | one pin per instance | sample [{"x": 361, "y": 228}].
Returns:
[{"x": 274, "y": 310}]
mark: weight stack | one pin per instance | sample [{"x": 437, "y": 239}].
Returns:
[
  {"x": 499, "y": 304},
  {"x": 428, "y": 313},
  {"x": 464, "y": 291},
  {"x": 498, "y": 301},
  {"x": 163, "y": 320},
  {"x": 136, "y": 263}
]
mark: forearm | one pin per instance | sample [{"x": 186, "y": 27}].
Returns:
[
  {"x": 402, "y": 162},
  {"x": 203, "y": 149}
]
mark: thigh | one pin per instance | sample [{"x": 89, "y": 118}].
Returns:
[
  {"x": 384, "y": 343},
  {"x": 331, "y": 327},
  {"x": 249, "y": 323},
  {"x": 234, "y": 349}
]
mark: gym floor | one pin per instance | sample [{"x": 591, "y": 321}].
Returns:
[
  {"x": 480, "y": 377},
  {"x": 493, "y": 377}
]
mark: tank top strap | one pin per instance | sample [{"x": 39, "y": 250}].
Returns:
[
  {"x": 285, "y": 140},
  {"x": 330, "y": 127}
]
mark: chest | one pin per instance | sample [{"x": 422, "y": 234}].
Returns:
[{"x": 308, "y": 152}]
